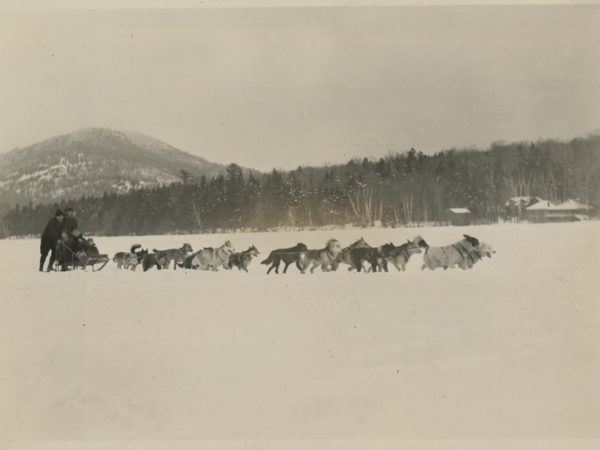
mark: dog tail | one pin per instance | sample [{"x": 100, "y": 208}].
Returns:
[{"x": 134, "y": 247}]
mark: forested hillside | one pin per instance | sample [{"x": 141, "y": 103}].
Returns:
[{"x": 404, "y": 188}]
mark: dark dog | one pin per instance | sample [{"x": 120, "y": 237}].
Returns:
[
  {"x": 139, "y": 254},
  {"x": 344, "y": 256},
  {"x": 374, "y": 256},
  {"x": 151, "y": 260},
  {"x": 242, "y": 260},
  {"x": 287, "y": 255}
]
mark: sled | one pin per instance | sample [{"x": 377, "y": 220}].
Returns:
[{"x": 72, "y": 260}]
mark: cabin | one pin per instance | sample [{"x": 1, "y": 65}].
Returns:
[
  {"x": 538, "y": 211},
  {"x": 459, "y": 216},
  {"x": 567, "y": 211}
]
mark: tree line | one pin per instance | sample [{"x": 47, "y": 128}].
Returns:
[{"x": 399, "y": 189}]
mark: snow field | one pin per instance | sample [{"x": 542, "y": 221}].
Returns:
[{"x": 510, "y": 348}]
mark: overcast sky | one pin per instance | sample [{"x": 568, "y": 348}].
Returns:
[{"x": 281, "y": 87}]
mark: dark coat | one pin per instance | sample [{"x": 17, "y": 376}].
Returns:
[
  {"x": 53, "y": 230},
  {"x": 77, "y": 244},
  {"x": 69, "y": 224}
]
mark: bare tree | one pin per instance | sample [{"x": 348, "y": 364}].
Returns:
[
  {"x": 197, "y": 215},
  {"x": 363, "y": 207},
  {"x": 407, "y": 207}
]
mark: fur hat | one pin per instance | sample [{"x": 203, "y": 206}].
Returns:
[
  {"x": 59, "y": 213},
  {"x": 68, "y": 209}
]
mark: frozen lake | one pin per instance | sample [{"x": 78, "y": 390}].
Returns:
[{"x": 509, "y": 349}]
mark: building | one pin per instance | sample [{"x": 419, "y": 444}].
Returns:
[
  {"x": 458, "y": 216},
  {"x": 567, "y": 211},
  {"x": 538, "y": 211}
]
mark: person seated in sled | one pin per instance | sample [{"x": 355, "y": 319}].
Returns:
[{"x": 74, "y": 247}]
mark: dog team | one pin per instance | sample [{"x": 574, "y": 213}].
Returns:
[{"x": 359, "y": 256}]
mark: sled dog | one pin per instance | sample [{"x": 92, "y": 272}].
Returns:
[
  {"x": 187, "y": 264},
  {"x": 177, "y": 255},
  {"x": 129, "y": 260},
  {"x": 464, "y": 254},
  {"x": 374, "y": 256},
  {"x": 211, "y": 258},
  {"x": 150, "y": 260},
  {"x": 139, "y": 254},
  {"x": 344, "y": 256},
  {"x": 323, "y": 258},
  {"x": 399, "y": 256},
  {"x": 242, "y": 260},
  {"x": 287, "y": 255}
]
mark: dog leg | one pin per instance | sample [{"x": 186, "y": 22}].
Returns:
[{"x": 358, "y": 265}]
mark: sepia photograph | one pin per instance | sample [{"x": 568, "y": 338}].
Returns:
[{"x": 296, "y": 225}]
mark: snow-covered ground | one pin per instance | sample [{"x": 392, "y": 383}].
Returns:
[{"x": 509, "y": 349}]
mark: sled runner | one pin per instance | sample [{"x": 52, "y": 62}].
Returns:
[{"x": 70, "y": 259}]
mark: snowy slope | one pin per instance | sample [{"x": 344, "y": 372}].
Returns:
[
  {"x": 91, "y": 161},
  {"x": 509, "y": 349}
]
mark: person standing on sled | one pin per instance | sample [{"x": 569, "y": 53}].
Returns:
[
  {"x": 70, "y": 222},
  {"x": 50, "y": 236}
]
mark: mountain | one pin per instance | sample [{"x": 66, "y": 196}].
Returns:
[{"x": 91, "y": 161}]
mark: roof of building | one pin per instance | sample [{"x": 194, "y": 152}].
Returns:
[
  {"x": 569, "y": 205},
  {"x": 542, "y": 205}
]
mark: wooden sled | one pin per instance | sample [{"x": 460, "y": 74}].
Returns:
[{"x": 72, "y": 260}]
